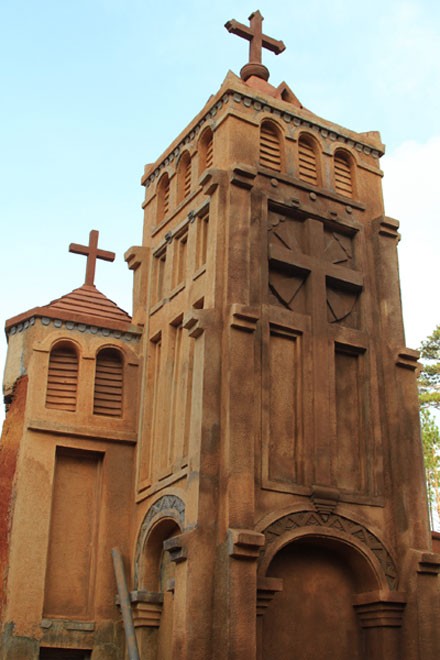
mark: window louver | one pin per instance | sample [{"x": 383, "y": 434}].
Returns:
[
  {"x": 166, "y": 199},
  {"x": 62, "y": 379},
  {"x": 270, "y": 149},
  {"x": 343, "y": 178},
  {"x": 308, "y": 170},
  {"x": 209, "y": 152},
  {"x": 187, "y": 180},
  {"x": 108, "y": 384}
]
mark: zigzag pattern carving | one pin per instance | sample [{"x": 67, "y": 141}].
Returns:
[{"x": 336, "y": 522}]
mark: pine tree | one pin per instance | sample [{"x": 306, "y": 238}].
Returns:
[{"x": 429, "y": 396}]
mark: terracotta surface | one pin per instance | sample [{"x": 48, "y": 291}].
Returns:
[{"x": 264, "y": 480}]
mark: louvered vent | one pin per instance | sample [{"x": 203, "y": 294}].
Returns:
[
  {"x": 163, "y": 197},
  {"x": 308, "y": 166},
  {"x": 166, "y": 198},
  {"x": 187, "y": 180},
  {"x": 108, "y": 383},
  {"x": 62, "y": 379},
  {"x": 209, "y": 152},
  {"x": 270, "y": 149},
  {"x": 343, "y": 178}
]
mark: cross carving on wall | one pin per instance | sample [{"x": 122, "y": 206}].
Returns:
[
  {"x": 258, "y": 41},
  {"x": 92, "y": 253}
]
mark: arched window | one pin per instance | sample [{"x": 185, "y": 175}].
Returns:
[
  {"x": 308, "y": 160},
  {"x": 270, "y": 146},
  {"x": 184, "y": 177},
  {"x": 107, "y": 399},
  {"x": 343, "y": 174},
  {"x": 163, "y": 197},
  {"x": 206, "y": 150},
  {"x": 62, "y": 377}
]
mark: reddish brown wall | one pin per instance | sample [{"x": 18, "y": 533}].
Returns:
[{"x": 10, "y": 442}]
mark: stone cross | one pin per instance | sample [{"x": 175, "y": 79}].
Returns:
[
  {"x": 258, "y": 41},
  {"x": 92, "y": 253}
]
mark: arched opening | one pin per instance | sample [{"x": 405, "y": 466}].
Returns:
[
  {"x": 157, "y": 573},
  {"x": 308, "y": 169},
  {"x": 206, "y": 150},
  {"x": 313, "y": 616},
  {"x": 163, "y": 197},
  {"x": 343, "y": 173},
  {"x": 271, "y": 155},
  {"x": 108, "y": 390},
  {"x": 62, "y": 377},
  {"x": 183, "y": 177}
]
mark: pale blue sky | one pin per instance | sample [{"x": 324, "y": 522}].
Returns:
[{"x": 93, "y": 89}]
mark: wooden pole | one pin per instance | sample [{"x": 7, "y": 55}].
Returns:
[{"x": 124, "y": 600}]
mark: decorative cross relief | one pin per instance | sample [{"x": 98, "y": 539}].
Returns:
[{"x": 300, "y": 249}]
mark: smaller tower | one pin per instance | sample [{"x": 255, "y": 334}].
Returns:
[{"x": 67, "y": 459}]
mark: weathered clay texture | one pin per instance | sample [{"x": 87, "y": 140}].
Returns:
[{"x": 262, "y": 476}]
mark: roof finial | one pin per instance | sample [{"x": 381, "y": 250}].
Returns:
[
  {"x": 92, "y": 253},
  {"x": 258, "y": 41}
]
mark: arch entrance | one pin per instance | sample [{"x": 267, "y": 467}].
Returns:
[{"x": 324, "y": 594}]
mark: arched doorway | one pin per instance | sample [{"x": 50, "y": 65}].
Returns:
[
  {"x": 313, "y": 616},
  {"x": 326, "y": 588}
]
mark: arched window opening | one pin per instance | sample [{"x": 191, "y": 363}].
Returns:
[
  {"x": 108, "y": 389},
  {"x": 62, "y": 378},
  {"x": 343, "y": 174},
  {"x": 270, "y": 147},
  {"x": 307, "y": 160},
  {"x": 206, "y": 150},
  {"x": 184, "y": 177},
  {"x": 163, "y": 197}
]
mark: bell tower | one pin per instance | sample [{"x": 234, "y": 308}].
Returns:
[
  {"x": 280, "y": 464},
  {"x": 248, "y": 441}
]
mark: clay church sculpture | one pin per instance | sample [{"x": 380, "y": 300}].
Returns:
[{"x": 247, "y": 443}]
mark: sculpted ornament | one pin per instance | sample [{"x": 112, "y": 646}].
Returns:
[{"x": 339, "y": 524}]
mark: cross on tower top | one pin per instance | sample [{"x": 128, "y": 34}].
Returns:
[
  {"x": 92, "y": 253},
  {"x": 258, "y": 41}
]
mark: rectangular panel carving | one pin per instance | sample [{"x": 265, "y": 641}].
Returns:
[
  {"x": 283, "y": 396},
  {"x": 72, "y": 547},
  {"x": 180, "y": 400},
  {"x": 153, "y": 417},
  {"x": 348, "y": 459}
]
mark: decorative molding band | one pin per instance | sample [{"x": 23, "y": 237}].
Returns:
[
  {"x": 245, "y": 543},
  {"x": 407, "y": 359},
  {"x": 380, "y": 615},
  {"x": 429, "y": 564},
  {"x": 176, "y": 547},
  {"x": 244, "y": 318},
  {"x": 79, "y": 626},
  {"x": 267, "y": 588},
  {"x": 289, "y": 117},
  {"x": 303, "y": 519},
  {"x": 243, "y": 176},
  {"x": 79, "y": 327},
  {"x": 388, "y": 227},
  {"x": 147, "y": 608}
]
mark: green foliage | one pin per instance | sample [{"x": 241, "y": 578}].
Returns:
[
  {"x": 431, "y": 453},
  {"x": 429, "y": 379},
  {"x": 429, "y": 397}
]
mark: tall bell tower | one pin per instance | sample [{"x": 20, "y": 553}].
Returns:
[
  {"x": 249, "y": 438},
  {"x": 280, "y": 464}
]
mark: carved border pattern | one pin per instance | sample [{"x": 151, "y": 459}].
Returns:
[
  {"x": 168, "y": 505},
  {"x": 340, "y": 524}
]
